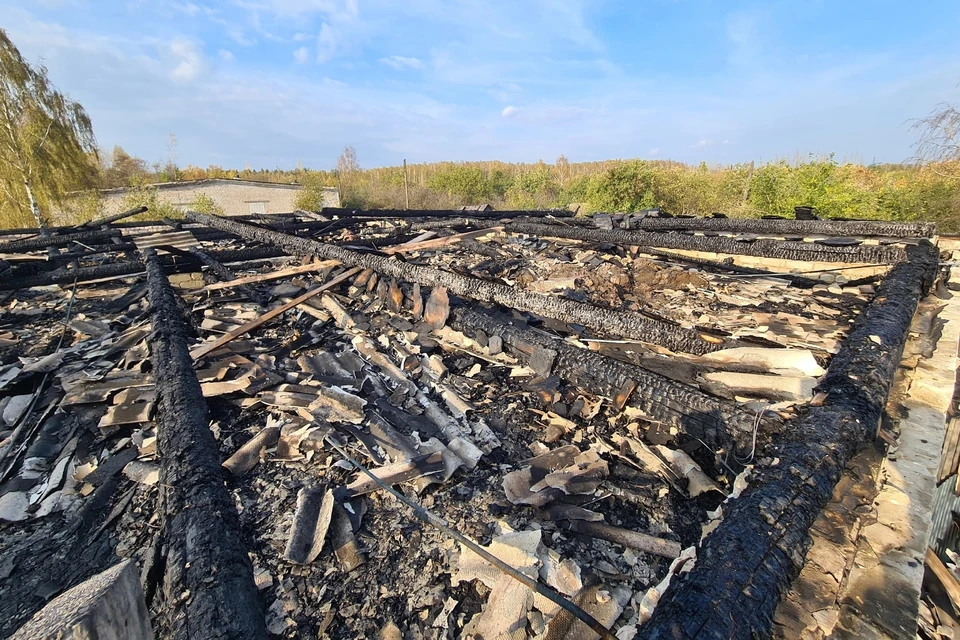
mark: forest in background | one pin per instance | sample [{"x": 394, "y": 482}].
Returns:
[{"x": 928, "y": 191}]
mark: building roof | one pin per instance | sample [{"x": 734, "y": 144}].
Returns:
[{"x": 211, "y": 182}]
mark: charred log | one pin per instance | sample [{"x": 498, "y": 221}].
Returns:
[
  {"x": 115, "y": 217},
  {"x": 805, "y": 251},
  {"x": 42, "y": 242},
  {"x": 225, "y": 275},
  {"x": 884, "y": 228},
  {"x": 748, "y": 562},
  {"x": 442, "y": 213},
  {"x": 724, "y": 267},
  {"x": 719, "y": 424},
  {"x": 619, "y": 323},
  {"x": 170, "y": 264},
  {"x": 201, "y": 529}
]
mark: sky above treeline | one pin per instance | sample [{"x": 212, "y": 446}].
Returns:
[{"x": 270, "y": 83}]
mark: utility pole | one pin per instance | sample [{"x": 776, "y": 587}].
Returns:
[{"x": 406, "y": 191}]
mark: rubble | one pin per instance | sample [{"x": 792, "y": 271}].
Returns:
[{"x": 574, "y": 405}]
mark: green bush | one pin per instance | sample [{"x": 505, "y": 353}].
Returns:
[
  {"x": 469, "y": 184},
  {"x": 205, "y": 204}
]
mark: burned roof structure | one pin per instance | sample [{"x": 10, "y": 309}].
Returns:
[{"x": 443, "y": 424}]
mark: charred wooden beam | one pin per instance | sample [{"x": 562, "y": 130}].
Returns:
[
  {"x": 884, "y": 228},
  {"x": 442, "y": 213},
  {"x": 225, "y": 275},
  {"x": 805, "y": 251},
  {"x": 619, "y": 323},
  {"x": 171, "y": 265},
  {"x": 719, "y": 424},
  {"x": 208, "y": 581},
  {"x": 725, "y": 267},
  {"x": 67, "y": 276},
  {"x": 748, "y": 562},
  {"x": 84, "y": 254},
  {"x": 42, "y": 242},
  {"x": 115, "y": 217}
]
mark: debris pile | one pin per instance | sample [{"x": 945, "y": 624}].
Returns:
[{"x": 578, "y": 405}]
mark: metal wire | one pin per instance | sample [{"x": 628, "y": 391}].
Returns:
[{"x": 430, "y": 518}]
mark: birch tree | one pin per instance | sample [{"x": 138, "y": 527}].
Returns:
[
  {"x": 46, "y": 139},
  {"x": 938, "y": 142}
]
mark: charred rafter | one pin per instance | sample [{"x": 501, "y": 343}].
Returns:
[
  {"x": 201, "y": 529},
  {"x": 804, "y": 251},
  {"x": 42, "y": 242},
  {"x": 619, "y": 323},
  {"x": 881, "y": 228},
  {"x": 748, "y": 562},
  {"x": 133, "y": 267},
  {"x": 717, "y": 423},
  {"x": 99, "y": 222},
  {"x": 387, "y": 214}
]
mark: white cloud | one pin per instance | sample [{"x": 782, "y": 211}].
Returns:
[
  {"x": 302, "y": 55},
  {"x": 457, "y": 107},
  {"x": 187, "y": 7},
  {"x": 189, "y": 58},
  {"x": 330, "y": 43},
  {"x": 238, "y": 36},
  {"x": 225, "y": 55},
  {"x": 401, "y": 62},
  {"x": 745, "y": 36}
]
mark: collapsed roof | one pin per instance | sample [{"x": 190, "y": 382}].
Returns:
[{"x": 606, "y": 405}]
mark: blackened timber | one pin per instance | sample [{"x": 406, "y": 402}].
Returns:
[
  {"x": 224, "y": 274},
  {"x": 133, "y": 267},
  {"x": 42, "y": 242},
  {"x": 725, "y": 267},
  {"x": 719, "y": 424},
  {"x": 84, "y": 254},
  {"x": 208, "y": 581},
  {"x": 783, "y": 250},
  {"x": 618, "y": 323},
  {"x": 747, "y": 563},
  {"x": 442, "y": 213},
  {"x": 883, "y": 228},
  {"x": 115, "y": 217}
]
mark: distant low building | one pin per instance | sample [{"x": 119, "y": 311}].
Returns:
[
  {"x": 236, "y": 197},
  {"x": 475, "y": 207}
]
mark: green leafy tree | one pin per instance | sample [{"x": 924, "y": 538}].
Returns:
[
  {"x": 534, "y": 189},
  {"x": 142, "y": 195},
  {"x": 467, "y": 183},
  {"x": 206, "y": 204},
  {"x": 627, "y": 186},
  {"x": 310, "y": 198},
  {"x": 45, "y": 138},
  {"x": 124, "y": 169}
]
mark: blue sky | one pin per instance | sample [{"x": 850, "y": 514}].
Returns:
[{"x": 272, "y": 82}]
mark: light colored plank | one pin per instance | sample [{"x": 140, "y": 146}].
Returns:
[
  {"x": 204, "y": 349},
  {"x": 273, "y": 275}
]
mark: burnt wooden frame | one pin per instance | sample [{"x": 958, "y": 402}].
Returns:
[
  {"x": 628, "y": 324},
  {"x": 201, "y": 528},
  {"x": 748, "y": 562}
]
